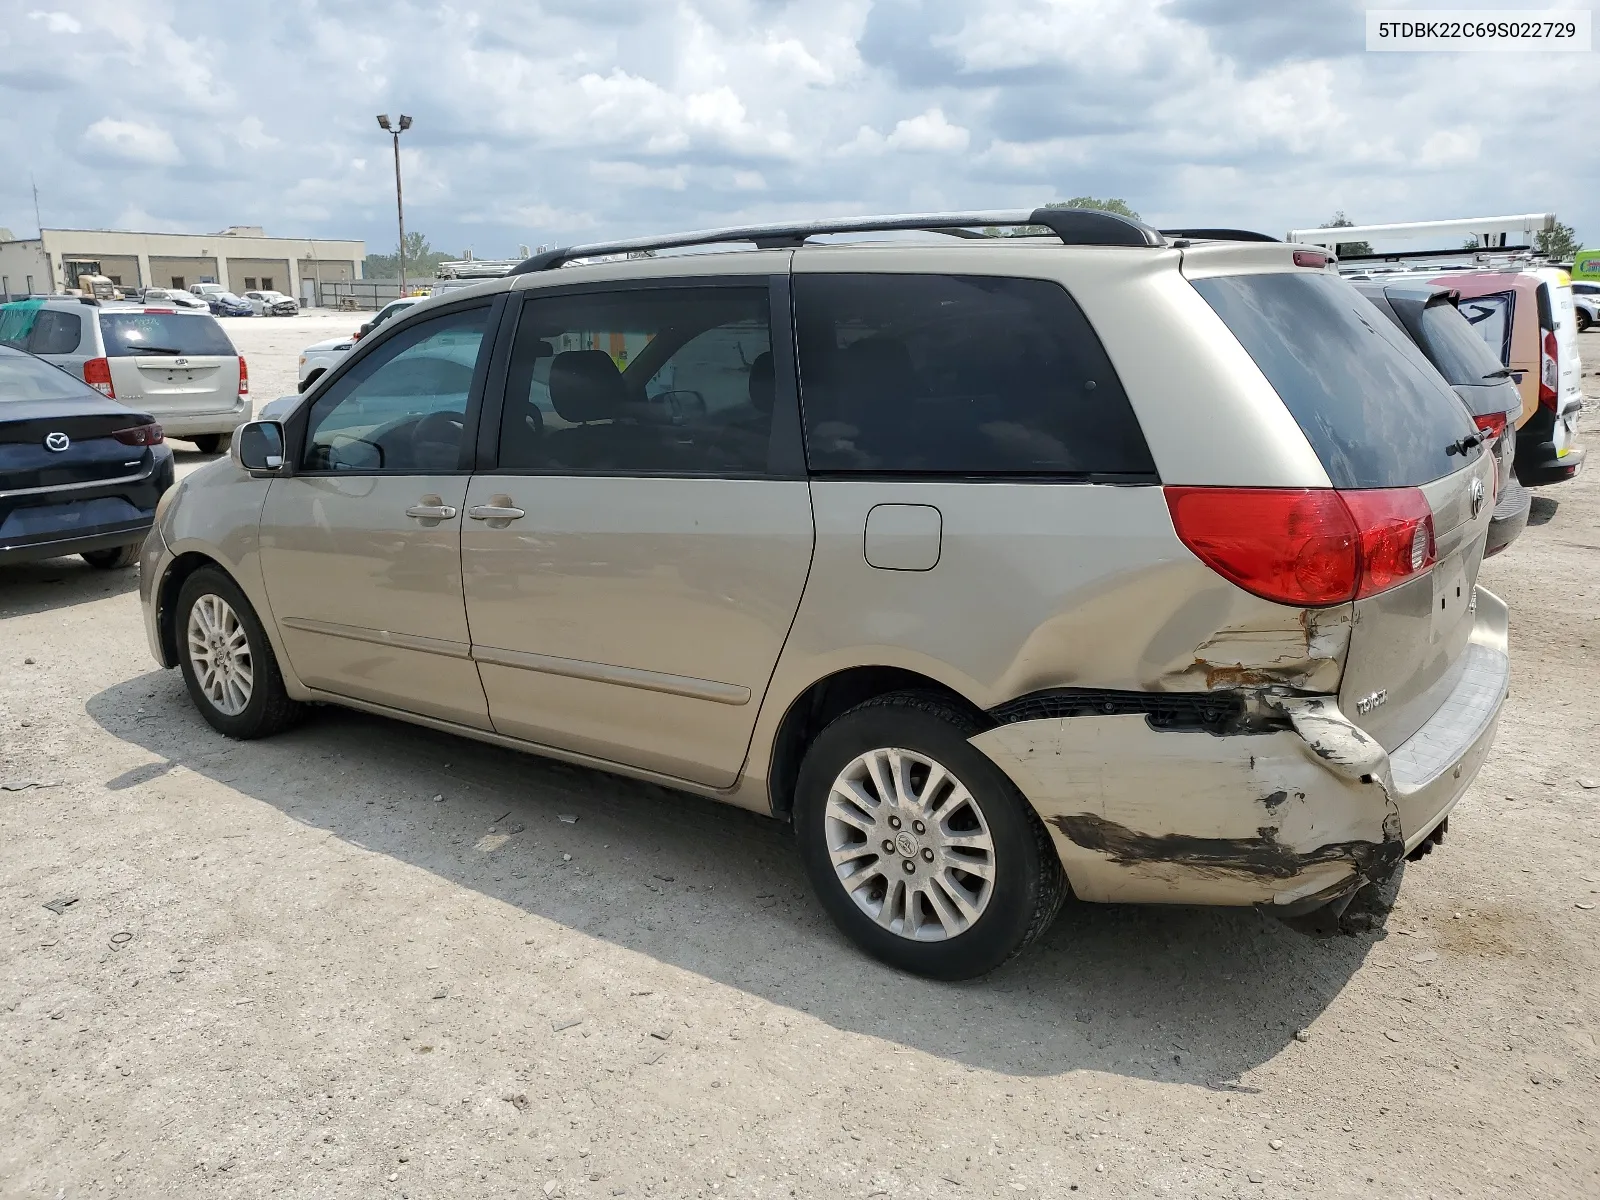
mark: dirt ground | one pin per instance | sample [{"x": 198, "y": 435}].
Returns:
[{"x": 363, "y": 959}]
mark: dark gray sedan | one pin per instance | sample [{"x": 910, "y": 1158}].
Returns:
[{"x": 79, "y": 473}]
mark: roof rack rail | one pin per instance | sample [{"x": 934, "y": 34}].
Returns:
[
  {"x": 1219, "y": 235},
  {"x": 1074, "y": 226},
  {"x": 1481, "y": 253}
]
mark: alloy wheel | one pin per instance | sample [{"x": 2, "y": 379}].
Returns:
[
  {"x": 219, "y": 651},
  {"x": 910, "y": 844}
]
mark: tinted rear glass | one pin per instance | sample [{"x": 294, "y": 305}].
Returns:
[
  {"x": 29, "y": 379},
  {"x": 1455, "y": 347},
  {"x": 1374, "y": 410},
  {"x": 135, "y": 333},
  {"x": 959, "y": 375},
  {"x": 55, "y": 332}
]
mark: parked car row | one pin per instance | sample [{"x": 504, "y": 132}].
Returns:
[
  {"x": 997, "y": 613},
  {"x": 1528, "y": 317},
  {"x": 223, "y": 303}
]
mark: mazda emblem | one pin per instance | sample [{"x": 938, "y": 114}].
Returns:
[
  {"x": 56, "y": 441},
  {"x": 1475, "y": 492}
]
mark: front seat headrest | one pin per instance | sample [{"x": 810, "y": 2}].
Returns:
[{"x": 585, "y": 385}]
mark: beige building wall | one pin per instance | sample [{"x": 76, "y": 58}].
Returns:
[
  {"x": 170, "y": 272},
  {"x": 190, "y": 256}
]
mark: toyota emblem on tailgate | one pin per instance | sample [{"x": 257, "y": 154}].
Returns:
[
  {"x": 56, "y": 441},
  {"x": 1475, "y": 492}
]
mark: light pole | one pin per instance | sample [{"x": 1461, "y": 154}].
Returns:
[{"x": 399, "y": 204}]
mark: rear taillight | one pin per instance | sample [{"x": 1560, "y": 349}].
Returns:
[
  {"x": 1310, "y": 258},
  {"x": 97, "y": 374},
  {"x": 141, "y": 435},
  {"x": 1549, "y": 369},
  {"x": 161, "y": 310},
  {"x": 1306, "y": 546},
  {"x": 244, "y": 377}
]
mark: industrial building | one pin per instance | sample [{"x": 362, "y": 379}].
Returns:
[{"x": 241, "y": 258}]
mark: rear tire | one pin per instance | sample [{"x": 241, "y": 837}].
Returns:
[
  {"x": 227, "y": 662},
  {"x": 114, "y": 559},
  {"x": 892, "y": 870},
  {"x": 210, "y": 443},
  {"x": 1583, "y": 321}
]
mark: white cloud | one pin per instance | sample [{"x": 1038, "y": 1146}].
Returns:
[
  {"x": 1451, "y": 148},
  {"x": 714, "y": 111},
  {"x": 58, "y": 22},
  {"x": 628, "y": 174},
  {"x": 928, "y": 131},
  {"x": 133, "y": 142}
]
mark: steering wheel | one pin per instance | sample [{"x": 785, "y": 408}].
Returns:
[{"x": 435, "y": 432}]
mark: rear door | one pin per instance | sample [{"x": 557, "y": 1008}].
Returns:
[
  {"x": 172, "y": 363},
  {"x": 1379, "y": 416},
  {"x": 634, "y": 555}
]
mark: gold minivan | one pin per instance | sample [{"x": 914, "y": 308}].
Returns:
[{"x": 1134, "y": 565}]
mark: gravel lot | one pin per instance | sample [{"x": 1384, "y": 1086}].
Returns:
[{"x": 365, "y": 959}]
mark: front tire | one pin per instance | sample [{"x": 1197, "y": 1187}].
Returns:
[
  {"x": 227, "y": 661},
  {"x": 113, "y": 559},
  {"x": 920, "y": 848}
]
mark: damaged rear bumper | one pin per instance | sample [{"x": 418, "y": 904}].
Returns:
[{"x": 1292, "y": 818}]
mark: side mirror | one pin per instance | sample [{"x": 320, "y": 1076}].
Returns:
[{"x": 258, "y": 447}]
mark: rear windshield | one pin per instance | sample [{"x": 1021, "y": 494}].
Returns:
[
  {"x": 133, "y": 333},
  {"x": 1455, "y": 347},
  {"x": 1374, "y": 410},
  {"x": 24, "y": 378}
]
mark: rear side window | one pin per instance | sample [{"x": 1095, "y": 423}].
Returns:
[
  {"x": 959, "y": 375},
  {"x": 55, "y": 332},
  {"x": 1376, "y": 413},
  {"x": 1454, "y": 346},
  {"x": 134, "y": 333}
]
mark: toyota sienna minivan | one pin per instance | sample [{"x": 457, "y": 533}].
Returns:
[{"x": 1133, "y": 565}]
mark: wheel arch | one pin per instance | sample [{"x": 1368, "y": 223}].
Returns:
[
  {"x": 829, "y": 697},
  {"x": 181, "y": 567}
]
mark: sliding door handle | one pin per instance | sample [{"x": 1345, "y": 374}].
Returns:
[{"x": 498, "y": 512}]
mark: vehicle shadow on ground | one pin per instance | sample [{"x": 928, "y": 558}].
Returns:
[
  {"x": 59, "y": 583},
  {"x": 1541, "y": 509},
  {"x": 1174, "y": 994}
]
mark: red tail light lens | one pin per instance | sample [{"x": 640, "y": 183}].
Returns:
[
  {"x": 97, "y": 374},
  {"x": 1494, "y": 424},
  {"x": 244, "y": 377},
  {"x": 161, "y": 310},
  {"x": 1396, "y": 527},
  {"x": 1310, "y": 258},
  {"x": 1306, "y": 547},
  {"x": 1549, "y": 369},
  {"x": 141, "y": 435}
]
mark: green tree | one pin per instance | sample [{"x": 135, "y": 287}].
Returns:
[
  {"x": 421, "y": 260},
  {"x": 1560, "y": 243},
  {"x": 1112, "y": 205},
  {"x": 1345, "y": 249}
]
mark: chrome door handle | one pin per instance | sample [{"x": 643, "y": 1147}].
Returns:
[
  {"x": 432, "y": 509},
  {"x": 499, "y": 509}
]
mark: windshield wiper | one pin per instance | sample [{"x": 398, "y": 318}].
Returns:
[
  {"x": 155, "y": 350},
  {"x": 1499, "y": 373},
  {"x": 1462, "y": 445}
]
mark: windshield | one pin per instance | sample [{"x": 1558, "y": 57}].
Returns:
[
  {"x": 134, "y": 333},
  {"x": 24, "y": 378},
  {"x": 1375, "y": 411}
]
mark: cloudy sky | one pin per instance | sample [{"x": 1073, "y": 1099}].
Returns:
[{"x": 548, "y": 121}]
